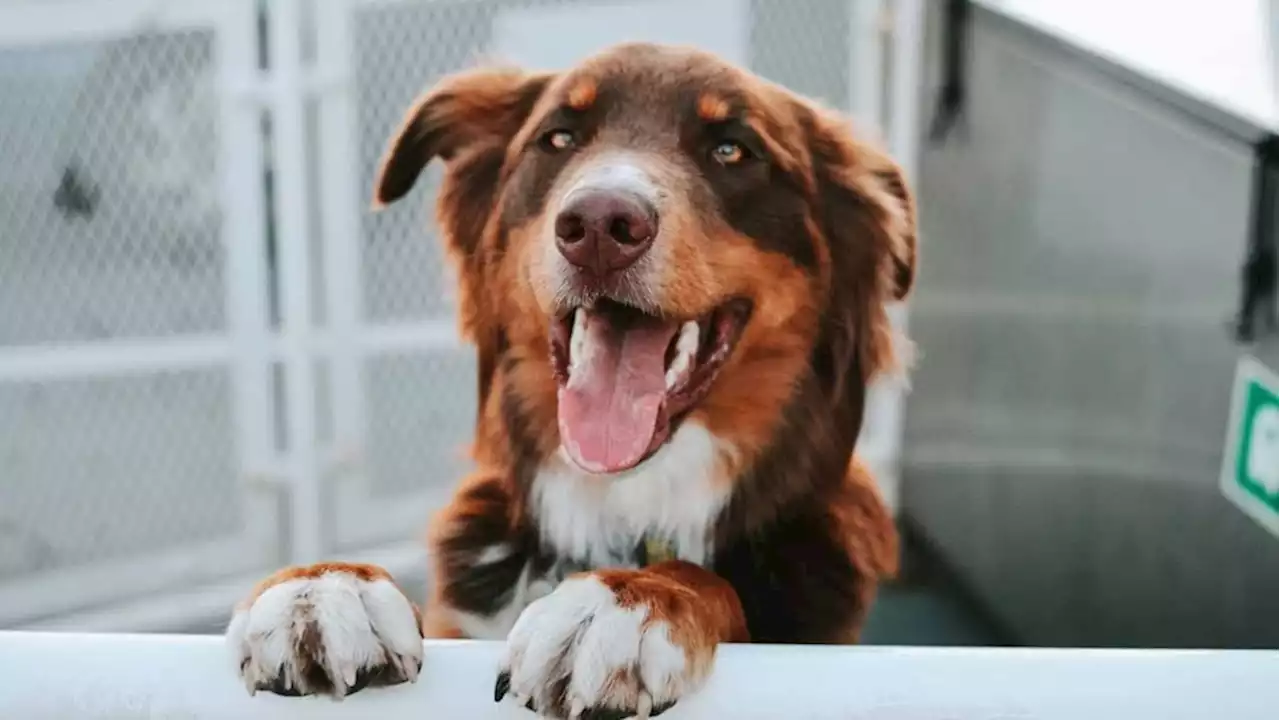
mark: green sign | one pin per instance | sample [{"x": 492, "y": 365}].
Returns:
[{"x": 1251, "y": 459}]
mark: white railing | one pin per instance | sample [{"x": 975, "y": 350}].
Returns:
[{"x": 52, "y": 675}]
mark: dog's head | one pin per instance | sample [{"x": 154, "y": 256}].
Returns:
[{"x": 656, "y": 236}]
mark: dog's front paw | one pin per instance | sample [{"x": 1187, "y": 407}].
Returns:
[
  {"x": 607, "y": 645},
  {"x": 329, "y": 629}
]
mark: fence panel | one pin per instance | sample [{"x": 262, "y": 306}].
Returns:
[{"x": 126, "y": 303}]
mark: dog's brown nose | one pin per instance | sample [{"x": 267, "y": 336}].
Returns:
[{"x": 605, "y": 231}]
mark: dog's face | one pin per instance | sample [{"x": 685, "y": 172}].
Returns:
[{"x": 658, "y": 236}]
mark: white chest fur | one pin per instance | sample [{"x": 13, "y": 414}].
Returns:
[{"x": 674, "y": 496}]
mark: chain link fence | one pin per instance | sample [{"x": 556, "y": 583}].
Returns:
[
  {"x": 108, "y": 192},
  {"x": 110, "y": 243}
]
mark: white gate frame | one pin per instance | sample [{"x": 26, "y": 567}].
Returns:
[
  {"x": 899, "y": 26},
  {"x": 242, "y": 348},
  {"x": 293, "y": 230},
  {"x": 340, "y": 491}
]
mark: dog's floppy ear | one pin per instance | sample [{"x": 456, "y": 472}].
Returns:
[
  {"x": 468, "y": 119},
  {"x": 866, "y": 213},
  {"x": 480, "y": 109}
]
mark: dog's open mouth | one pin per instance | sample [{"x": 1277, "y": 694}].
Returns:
[{"x": 626, "y": 377}]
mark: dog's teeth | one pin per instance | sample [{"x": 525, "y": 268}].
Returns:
[
  {"x": 577, "y": 338},
  {"x": 686, "y": 350}
]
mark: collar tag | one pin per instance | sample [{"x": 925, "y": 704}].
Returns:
[{"x": 656, "y": 550}]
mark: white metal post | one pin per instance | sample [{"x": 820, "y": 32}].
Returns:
[
  {"x": 293, "y": 233},
  {"x": 340, "y": 210},
  {"x": 905, "y": 79},
  {"x": 903, "y": 140},
  {"x": 243, "y": 239},
  {"x": 867, "y": 82},
  {"x": 866, "y": 72}
]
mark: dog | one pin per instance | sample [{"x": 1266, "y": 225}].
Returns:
[{"x": 675, "y": 275}]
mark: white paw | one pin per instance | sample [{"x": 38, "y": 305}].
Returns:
[
  {"x": 578, "y": 653},
  {"x": 332, "y": 633}
]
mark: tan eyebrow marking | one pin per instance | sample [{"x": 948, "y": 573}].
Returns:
[
  {"x": 582, "y": 94},
  {"x": 713, "y": 108}
]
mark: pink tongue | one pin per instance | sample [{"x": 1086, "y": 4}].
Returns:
[{"x": 608, "y": 410}]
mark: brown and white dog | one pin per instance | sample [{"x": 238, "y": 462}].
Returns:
[{"x": 675, "y": 276}]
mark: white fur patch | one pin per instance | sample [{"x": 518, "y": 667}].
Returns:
[
  {"x": 580, "y": 632},
  {"x": 494, "y": 553},
  {"x": 616, "y": 171},
  {"x": 361, "y": 625},
  {"x": 675, "y": 496}
]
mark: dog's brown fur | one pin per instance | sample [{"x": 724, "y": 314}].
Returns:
[{"x": 817, "y": 231}]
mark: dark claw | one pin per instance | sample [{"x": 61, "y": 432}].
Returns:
[
  {"x": 607, "y": 714},
  {"x": 502, "y": 688},
  {"x": 615, "y": 714},
  {"x": 279, "y": 686}
]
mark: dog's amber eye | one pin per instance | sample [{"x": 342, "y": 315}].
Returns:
[
  {"x": 729, "y": 153},
  {"x": 558, "y": 140}
]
